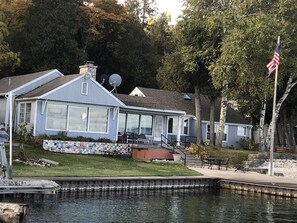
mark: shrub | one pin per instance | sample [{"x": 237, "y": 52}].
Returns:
[
  {"x": 198, "y": 150},
  {"x": 244, "y": 142}
]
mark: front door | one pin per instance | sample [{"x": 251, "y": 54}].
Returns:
[{"x": 158, "y": 128}]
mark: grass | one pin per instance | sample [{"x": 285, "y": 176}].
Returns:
[
  {"x": 236, "y": 156},
  {"x": 92, "y": 165}
]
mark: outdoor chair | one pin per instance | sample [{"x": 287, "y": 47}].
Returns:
[
  {"x": 204, "y": 161},
  {"x": 225, "y": 162}
]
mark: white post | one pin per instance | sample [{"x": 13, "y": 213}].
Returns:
[
  {"x": 271, "y": 166},
  {"x": 10, "y": 129},
  {"x": 179, "y": 126}
]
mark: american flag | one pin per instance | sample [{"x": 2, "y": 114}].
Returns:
[{"x": 272, "y": 65}]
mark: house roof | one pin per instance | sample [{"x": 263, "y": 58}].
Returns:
[
  {"x": 10, "y": 83},
  {"x": 172, "y": 100},
  {"x": 50, "y": 86}
]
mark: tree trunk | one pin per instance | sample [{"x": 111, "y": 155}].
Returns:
[
  {"x": 287, "y": 139},
  {"x": 261, "y": 126},
  {"x": 290, "y": 85},
  {"x": 223, "y": 114},
  {"x": 293, "y": 138},
  {"x": 198, "y": 115},
  {"x": 211, "y": 123},
  {"x": 281, "y": 129}
]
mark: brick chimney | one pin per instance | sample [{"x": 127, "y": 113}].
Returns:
[{"x": 88, "y": 67}]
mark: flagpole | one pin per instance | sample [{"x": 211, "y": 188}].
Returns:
[{"x": 271, "y": 164}]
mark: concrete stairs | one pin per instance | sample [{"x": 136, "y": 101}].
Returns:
[{"x": 190, "y": 160}]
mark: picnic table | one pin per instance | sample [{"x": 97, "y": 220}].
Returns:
[{"x": 219, "y": 161}]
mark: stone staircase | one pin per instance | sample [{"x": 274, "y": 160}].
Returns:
[{"x": 191, "y": 161}]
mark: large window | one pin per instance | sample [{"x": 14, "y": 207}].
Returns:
[
  {"x": 146, "y": 124},
  {"x": 132, "y": 123},
  {"x": 56, "y": 116},
  {"x": 25, "y": 113},
  {"x": 172, "y": 125},
  {"x": 136, "y": 123},
  {"x": 77, "y": 118},
  {"x": 216, "y": 130},
  {"x": 122, "y": 123},
  {"x": 98, "y": 119}
]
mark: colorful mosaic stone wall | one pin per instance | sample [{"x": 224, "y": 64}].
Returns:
[{"x": 87, "y": 147}]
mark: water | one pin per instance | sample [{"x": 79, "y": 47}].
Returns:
[{"x": 158, "y": 206}]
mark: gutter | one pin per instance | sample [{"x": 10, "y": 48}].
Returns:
[{"x": 153, "y": 110}]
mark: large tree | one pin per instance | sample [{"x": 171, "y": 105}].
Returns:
[
  {"x": 251, "y": 30},
  {"x": 197, "y": 39},
  {"x": 49, "y": 37},
  {"x": 8, "y": 59}
]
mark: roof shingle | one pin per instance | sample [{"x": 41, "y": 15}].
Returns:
[
  {"x": 10, "y": 83},
  {"x": 171, "y": 100}
]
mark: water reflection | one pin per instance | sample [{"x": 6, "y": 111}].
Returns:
[{"x": 203, "y": 205}]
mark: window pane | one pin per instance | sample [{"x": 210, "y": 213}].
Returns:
[
  {"x": 132, "y": 123},
  {"x": 56, "y": 116},
  {"x": 78, "y": 118},
  {"x": 241, "y": 131},
  {"x": 122, "y": 122},
  {"x": 186, "y": 126},
  {"x": 172, "y": 125},
  {"x": 98, "y": 119},
  {"x": 22, "y": 113},
  {"x": 28, "y": 113},
  {"x": 146, "y": 124}
]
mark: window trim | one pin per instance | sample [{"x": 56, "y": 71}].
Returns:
[
  {"x": 25, "y": 112},
  {"x": 183, "y": 127},
  {"x": 88, "y": 113},
  {"x": 245, "y": 131},
  {"x": 176, "y": 130},
  {"x": 126, "y": 115},
  {"x": 84, "y": 88},
  {"x": 216, "y": 128}
]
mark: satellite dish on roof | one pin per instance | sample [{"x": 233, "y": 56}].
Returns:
[
  {"x": 103, "y": 79},
  {"x": 115, "y": 80}
]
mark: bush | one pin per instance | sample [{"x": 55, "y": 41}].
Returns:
[
  {"x": 245, "y": 142},
  {"x": 198, "y": 151}
]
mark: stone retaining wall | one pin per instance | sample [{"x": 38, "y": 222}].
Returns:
[{"x": 76, "y": 147}]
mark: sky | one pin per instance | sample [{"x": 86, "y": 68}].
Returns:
[{"x": 171, "y": 6}]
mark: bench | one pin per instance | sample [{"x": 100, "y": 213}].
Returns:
[{"x": 220, "y": 162}]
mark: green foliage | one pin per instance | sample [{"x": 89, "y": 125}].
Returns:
[
  {"x": 8, "y": 59},
  {"x": 24, "y": 135},
  {"x": 235, "y": 156},
  {"x": 49, "y": 37},
  {"x": 198, "y": 151},
  {"x": 245, "y": 143}
]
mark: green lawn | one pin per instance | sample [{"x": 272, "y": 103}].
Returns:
[{"x": 93, "y": 165}]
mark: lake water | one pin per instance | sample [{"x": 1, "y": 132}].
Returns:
[{"x": 158, "y": 206}]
